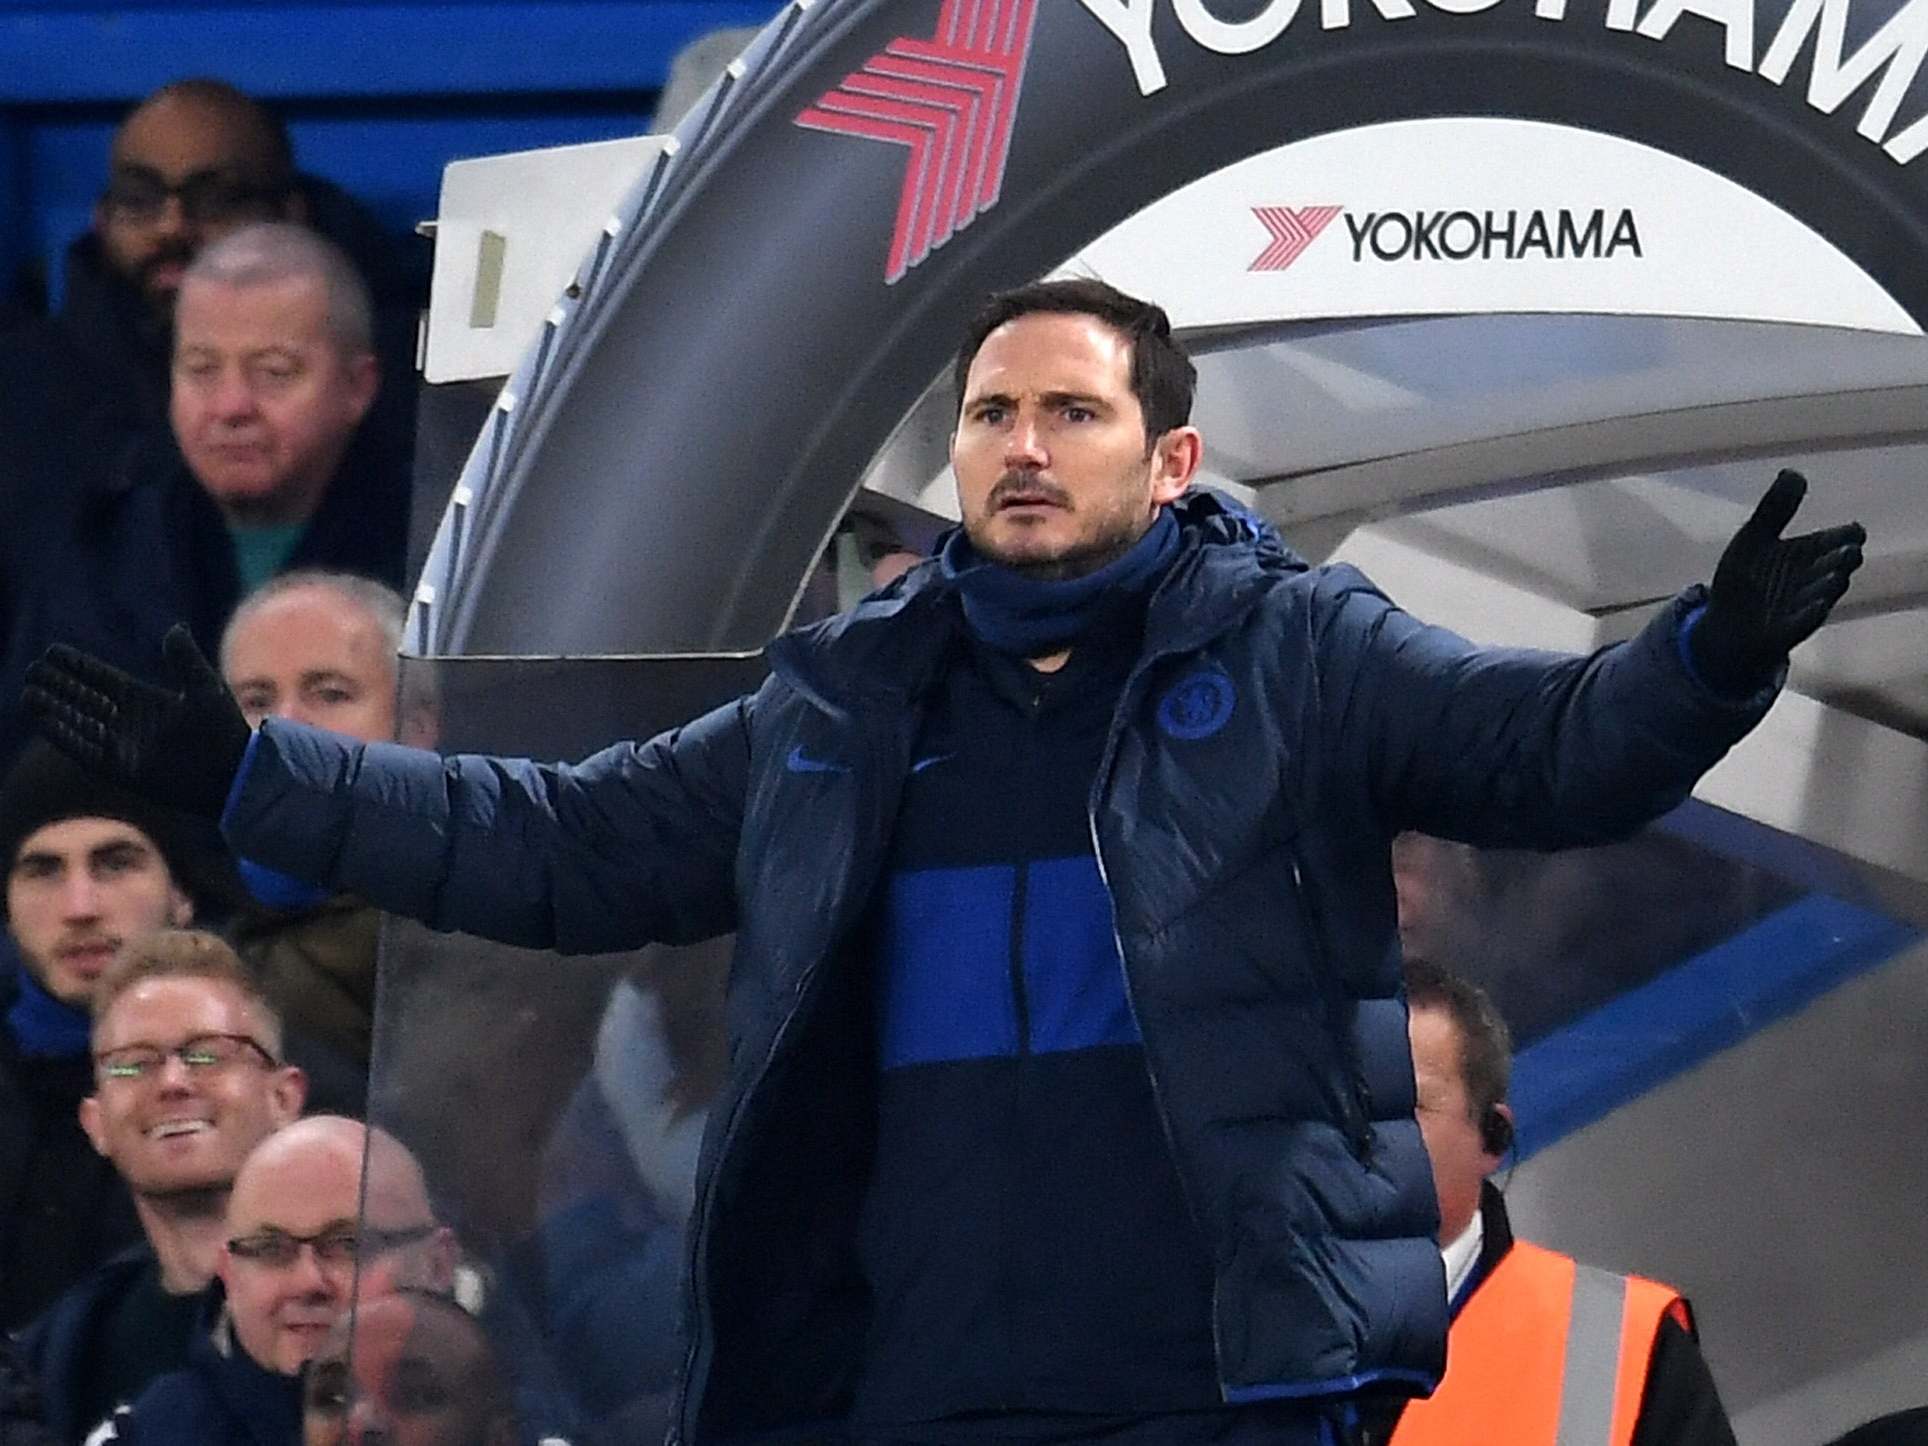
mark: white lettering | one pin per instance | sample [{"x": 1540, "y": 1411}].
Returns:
[
  {"x": 1235, "y": 37},
  {"x": 1736, "y": 16},
  {"x": 1337, "y": 14},
  {"x": 1900, "y": 44},
  {"x": 1130, "y": 22},
  {"x": 1550, "y": 9},
  {"x": 1909, "y": 143},
  {"x": 1462, "y": 7},
  {"x": 1620, "y": 14}
]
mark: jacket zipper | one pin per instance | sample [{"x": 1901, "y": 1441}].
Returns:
[
  {"x": 1099, "y": 784},
  {"x": 701, "y": 1338}
]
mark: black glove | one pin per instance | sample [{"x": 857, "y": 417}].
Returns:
[
  {"x": 179, "y": 746},
  {"x": 1770, "y": 593}
]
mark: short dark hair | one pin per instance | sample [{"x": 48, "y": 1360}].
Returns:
[
  {"x": 1162, "y": 375},
  {"x": 1485, "y": 1043}
]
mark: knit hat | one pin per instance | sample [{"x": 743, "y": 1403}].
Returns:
[{"x": 45, "y": 786}]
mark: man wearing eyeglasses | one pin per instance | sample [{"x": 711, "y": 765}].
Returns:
[
  {"x": 188, "y": 1080},
  {"x": 84, "y": 394},
  {"x": 194, "y": 161},
  {"x": 299, "y": 1226},
  {"x": 273, "y": 463}
]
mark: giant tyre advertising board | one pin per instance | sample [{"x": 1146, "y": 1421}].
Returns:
[{"x": 790, "y": 276}]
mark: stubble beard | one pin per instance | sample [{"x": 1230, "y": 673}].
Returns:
[{"x": 1114, "y": 534}]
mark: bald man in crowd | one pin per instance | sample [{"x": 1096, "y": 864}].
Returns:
[
  {"x": 302, "y": 1234},
  {"x": 321, "y": 648}
]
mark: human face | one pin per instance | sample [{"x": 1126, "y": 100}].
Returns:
[
  {"x": 264, "y": 399},
  {"x": 1447, "y": 1123},
  {"x": 282, "y": 1313},
  {"x": 1054, "y": 476},
  {"x": 77, "y": 891},
  {"x": 414, "y": 1375},
  {"x": 177, "y": 1130},
  {"x": 179, "y": 142},
  {"x": 314, "y": 656}
]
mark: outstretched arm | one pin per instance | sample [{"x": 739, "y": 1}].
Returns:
[
  {"x": 635, "y": 844},
  {"x": 1511, "y": 747}
]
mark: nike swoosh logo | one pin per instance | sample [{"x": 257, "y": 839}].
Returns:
[
  {"x": 801, "y": 762},
  {"x": 936, "y": 758}
]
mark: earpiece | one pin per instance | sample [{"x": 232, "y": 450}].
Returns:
[{"x": 1495, "y": 1131}]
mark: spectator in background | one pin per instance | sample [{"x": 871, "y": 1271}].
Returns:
[
  {"x": 1525, "y": 1351},
  {"x": 274, "y": 374},
  {"x": 320, "y": 648},
  {"x": 83, "y": 394},
  {"x": 274, "y": 371},
  {"x": 193, "y": 162},
  {"x": 415, "y": 1368},
  {"x": 88, "y": 868},
  {"x": 297, "y": 1224},
  {"x": 189, "y": 1079}
]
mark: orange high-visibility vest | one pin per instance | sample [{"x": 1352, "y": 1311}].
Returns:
[{"x": 1547, "y": 1352}]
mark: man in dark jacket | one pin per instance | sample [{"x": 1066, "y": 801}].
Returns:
[
  {"x": 188, "y": 1079},
  {"x": 320, "y": 648},
  {"x": 89, "y": 866},
  {"x": 192, "y": 163},
  {"x": 84, "y": 393},
  {"x": 301, "y": 1236},
  {"x": 1530, "y": 1340},
  {"x": 270, "y": 465},
  {"x": 1070, "y": 1094}
]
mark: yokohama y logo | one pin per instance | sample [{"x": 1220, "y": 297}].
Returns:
[
  {"x": 1292, "y": 231},
  {"x": 950, "y": 100}
]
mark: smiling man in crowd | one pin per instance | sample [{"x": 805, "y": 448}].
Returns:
[
  {"x": 88, "y": 867},
  {"x": 188, "y": 1080}
]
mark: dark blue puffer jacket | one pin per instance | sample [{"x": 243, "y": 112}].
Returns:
[{"x": 1282, "y": 724}]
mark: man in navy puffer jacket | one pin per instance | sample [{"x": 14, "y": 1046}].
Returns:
[{"x": 1070, "y": 1092}]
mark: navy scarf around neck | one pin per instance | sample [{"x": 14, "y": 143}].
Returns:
[
  {"x": 1029, "y": 617},
  {"x": 44, "y": 1027}
]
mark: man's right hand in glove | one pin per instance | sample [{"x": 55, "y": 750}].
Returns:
[{"x": 179, "y": 745}]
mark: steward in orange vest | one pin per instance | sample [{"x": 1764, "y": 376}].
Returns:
[
  {"x": 1547, "y": 1352},
  {"x": 1542, "y": 1351}
]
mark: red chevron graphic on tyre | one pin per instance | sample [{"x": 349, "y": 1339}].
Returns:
[
  {"x": 1292, "y": 231},
  {"x": 950, "y": 100}
]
